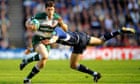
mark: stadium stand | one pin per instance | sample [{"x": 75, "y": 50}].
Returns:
[
  {"x": 4, "y": 24},
  {"x": 95, "y": 17}
]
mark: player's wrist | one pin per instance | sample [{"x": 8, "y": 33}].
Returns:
[{"x": 52, "y": 41}]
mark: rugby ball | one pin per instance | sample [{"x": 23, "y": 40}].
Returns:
[{"x": 36, "y": 23}]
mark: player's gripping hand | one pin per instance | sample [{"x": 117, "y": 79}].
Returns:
[
  {"x": 45, "y": 42},
  {"x": 32, "y": 25},
  {"x": 50, "y": 41},
  {"x": 28, "y": 51}
]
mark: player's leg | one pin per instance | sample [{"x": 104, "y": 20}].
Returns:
[
  {"x": 41, "y": 49},
  {"x": 74, "y": 64},
  {"x": 59, "y": 32},
  {"x": 107, "y": 36},
  {"x": 33, "y": 57},
  {"x": 95, "y": 41},
  {"x": 118, "y": 32},
  {"x": 127, "y": 30},
  {"x": 29, "y": 58},
  {"x": 77, "y": 50}
]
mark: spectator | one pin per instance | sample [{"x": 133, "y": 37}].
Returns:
[
  {"x": 135, "y": 16},
  {"x": 132, "y": 5},
  {"x": 95, "y": 24},
  {"x": 4, "y": 44},
  {"x": 4, "y": 24},
  {"x": 121, "y": 16},
  {"x": 40, "y": 7},
  {"x": 108, "y": 23},
  {"x": 3, "y": 6}
]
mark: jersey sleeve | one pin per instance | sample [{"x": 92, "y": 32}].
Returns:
[
  {"x": 60, "y": 33},
  {"x": 56, "y": 16}
]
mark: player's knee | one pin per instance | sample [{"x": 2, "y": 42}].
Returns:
[
  {"x": 42, "y": 65},
  {"x": 44, "y": 58},
  {"x": 43, "y": 62}
]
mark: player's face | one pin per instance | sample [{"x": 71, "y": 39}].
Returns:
[{"x": 50, "y": 10}]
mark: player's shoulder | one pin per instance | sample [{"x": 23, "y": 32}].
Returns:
[
  {"x": 56, "y": 16},
  {"x": 41, "y": 15}
]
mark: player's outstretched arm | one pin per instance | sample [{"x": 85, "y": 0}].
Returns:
[
  {"x": 62, "y": 24},
  {"x": 51, "y": 41}
]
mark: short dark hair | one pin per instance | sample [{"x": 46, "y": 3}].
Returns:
[{"x": 50, "y": 3}]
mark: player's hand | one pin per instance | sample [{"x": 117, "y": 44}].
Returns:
[
  {"x": 27, "y": 51},
  {"x": 31, "y": 27},
  {"x": 54, "y": 39},
  {"x": 45, "y": 42},
  {"x": 50, "y": 41}
]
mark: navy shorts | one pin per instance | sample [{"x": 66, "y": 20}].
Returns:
[{"x": 81, "y": 45}]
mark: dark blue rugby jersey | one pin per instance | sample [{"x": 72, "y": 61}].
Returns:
[{"x": 74, "y": 39}]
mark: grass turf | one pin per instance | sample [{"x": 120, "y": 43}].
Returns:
[{"x": 58, "y": 72}]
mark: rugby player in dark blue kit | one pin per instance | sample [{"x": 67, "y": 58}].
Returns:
[{"x": 79, "y": 41}]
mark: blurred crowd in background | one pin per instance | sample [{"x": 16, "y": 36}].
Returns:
[
  {"x": 4, "y": 24},
  {"x": 95, "y": 17}
]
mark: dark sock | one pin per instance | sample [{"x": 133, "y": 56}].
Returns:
[
  {"x": 33, "y": 72},
  {"x": 108, "y": 36},
  {"x": 33, "y": 58},
  {"x": 84, "y": 69}
]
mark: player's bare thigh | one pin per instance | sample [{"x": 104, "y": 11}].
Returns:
[
  {"x": 95, "y": 41},
  {"x": 41, "y": 49}
]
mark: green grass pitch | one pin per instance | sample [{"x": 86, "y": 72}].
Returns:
[{"x": 58, "y": 72}]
